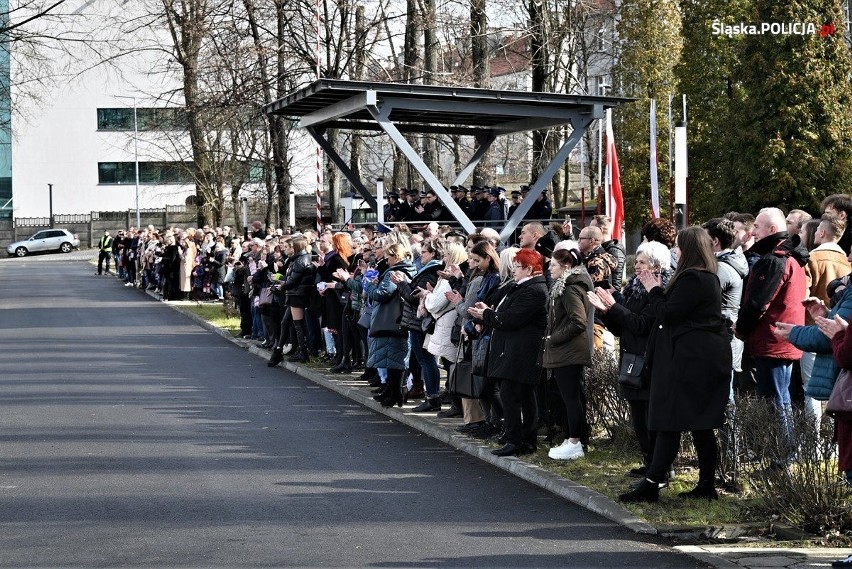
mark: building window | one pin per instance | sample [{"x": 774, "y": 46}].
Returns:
[
  {"x": 163, "y": 118},
  {"x": 149, "y": 173}
]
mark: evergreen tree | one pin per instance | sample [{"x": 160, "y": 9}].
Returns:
[
  {"x": 649, "y": 48},
  {"x": 794, "y": 120},
  {"x": 707, "y": 75}
]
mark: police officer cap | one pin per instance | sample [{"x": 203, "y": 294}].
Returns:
[
  {"x": 501, "y": 190},
  {"x": 516, "y": 194},
  {"x": 424, "y": 193},
  {"x": 454, "y": 188},
  {"x": 494, "y": 192},
  {"x": 525, "y": 188},
  {"x": 462, "y": 189},
  {"x": 393, "y": 195},
  {"x": 475, "y": 189}
]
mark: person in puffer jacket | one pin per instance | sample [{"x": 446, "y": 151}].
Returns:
[
  {"x": 810, "y": 339},
  {"x": 411, "y": 289}
]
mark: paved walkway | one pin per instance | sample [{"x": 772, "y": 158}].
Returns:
[{"x": 721, "y": 556}]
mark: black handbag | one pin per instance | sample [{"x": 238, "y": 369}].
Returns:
[
  {"x": 462, "y": 381},
  {"x": 427, "y": 325},
  {"x": 387, "y": 318},
  {"x": 480, "y": 355},
  {"x": 631, "y": 372}
]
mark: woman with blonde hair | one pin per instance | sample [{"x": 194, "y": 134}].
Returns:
[
  {"x": 439, "y": 342},
  {"x": 389, "y": 344}
]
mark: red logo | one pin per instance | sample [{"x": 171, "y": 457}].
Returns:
[{"x": 827, "y": 30}]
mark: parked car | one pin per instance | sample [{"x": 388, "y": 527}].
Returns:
[{"x": 46, "y": 240}]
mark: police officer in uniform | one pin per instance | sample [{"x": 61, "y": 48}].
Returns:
[
  {"x": 406, "y": 208},
  {"x": 496, "y": 213},
  {"x": 542, "y": 208},
  {"x": 460, "y": 196},
  {"x": 104, "y": 252},
  {"x": 392, "y": 208},
  {"x": 516, "y": 203}
]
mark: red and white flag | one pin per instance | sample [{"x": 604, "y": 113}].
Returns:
[
  {"x": 655, "y": 186},
  {"x": 615, "y": 201}
]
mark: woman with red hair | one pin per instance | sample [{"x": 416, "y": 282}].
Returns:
[{"x": 518, "y": 322}]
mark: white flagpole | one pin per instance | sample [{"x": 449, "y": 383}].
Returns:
[{"x": 655, "y": 187}]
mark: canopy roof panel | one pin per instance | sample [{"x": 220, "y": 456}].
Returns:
[{"x": 426, "y": 106}]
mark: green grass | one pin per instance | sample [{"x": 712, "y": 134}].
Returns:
[
  {"x": 604, "y": 469},
  {"x": 215, "y": 314}
]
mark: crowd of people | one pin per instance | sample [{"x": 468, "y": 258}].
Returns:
[{"x": 705, "y": 313}]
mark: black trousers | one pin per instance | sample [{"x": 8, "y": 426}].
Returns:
[
  {"x": 639, "y": 419},
  {"x": 569, "y": 380},
  {"x": 667, "y": 445},
  {"x": 520, "y": 411}
]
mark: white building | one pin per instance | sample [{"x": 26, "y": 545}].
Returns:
[{"x": 77, "y": 133}]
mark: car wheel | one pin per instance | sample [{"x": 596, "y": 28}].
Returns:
[
  {"x": 65, "y": 247},
  {"x": 21, "y": 252}
]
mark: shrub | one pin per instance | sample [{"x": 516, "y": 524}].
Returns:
[
  {"x": 607, "y": 411},
  {"x": 796, "y": 474}
]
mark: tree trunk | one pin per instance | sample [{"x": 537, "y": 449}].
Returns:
[{"x": 481, "y": 76}]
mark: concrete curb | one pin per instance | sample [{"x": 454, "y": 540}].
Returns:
[{"x": 562, "y": 487}]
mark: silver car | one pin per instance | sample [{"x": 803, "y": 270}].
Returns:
[{"x": 46, "y": 240}]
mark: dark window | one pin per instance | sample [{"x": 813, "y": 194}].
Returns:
[
  {"x": 149, "y": 173},
  {"x": 163, "y": 118}
]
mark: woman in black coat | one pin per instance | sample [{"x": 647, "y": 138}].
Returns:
[
  {"x": 631, "y": 317},
  {"x": 331, "y": 315},
  {"x": 690, "y": 365},
  {"x": 518, "y": 323}
]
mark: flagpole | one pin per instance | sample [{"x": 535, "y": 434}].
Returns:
[
  {"x": 671, "y": 176},
  {"x": 655, "y": 185}
]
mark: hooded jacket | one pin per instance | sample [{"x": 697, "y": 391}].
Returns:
[
  {"x": 569, "y": 316},
  {"x": 733, "y": 268},
  {"x": 773, "y": 292}
]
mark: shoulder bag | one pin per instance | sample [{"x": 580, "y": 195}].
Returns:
[
  {"x": 462, "y": 381},
  {"x": 387, "y": 318},
  {"x": 631, "y": 372},
  {"x": 840, "y": 401}
]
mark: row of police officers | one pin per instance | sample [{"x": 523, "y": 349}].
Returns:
[{"x": 486, "y": 205}]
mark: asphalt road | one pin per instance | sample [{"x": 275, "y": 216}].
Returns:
[{"x": 130, "y": 436}]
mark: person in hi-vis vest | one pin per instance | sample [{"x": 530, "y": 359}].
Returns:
[{"x": 104, "y": 252}]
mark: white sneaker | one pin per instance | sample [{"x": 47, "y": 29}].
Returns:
[
  {"x": 567, "y": 451},
  {"x": 287, "y": 349}
]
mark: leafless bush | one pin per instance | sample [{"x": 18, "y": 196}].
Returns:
[
  {"x": 607, "y": 411},
  {"x": 793, "y": 469}
]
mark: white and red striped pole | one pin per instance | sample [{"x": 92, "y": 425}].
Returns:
[{"x": 318, "y": 149}]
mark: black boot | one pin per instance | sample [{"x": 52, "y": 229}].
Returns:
[
  {"x": 431, "y": 404},
  {"x": 381, "y": 392},
  {"x": 276, "y": 358},
  {"x": 645, "y": 491},
  {"x": 705, "y": 490},
  {"x": 301, "y": 355},
  {"x": 394, "y": 396},
  {"x": 345, "y": 366}
]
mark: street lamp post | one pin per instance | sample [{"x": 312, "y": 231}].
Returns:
[{"x": 50, "y": 202}]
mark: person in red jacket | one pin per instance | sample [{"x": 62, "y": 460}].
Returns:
[{"x": 773, "y": 292}]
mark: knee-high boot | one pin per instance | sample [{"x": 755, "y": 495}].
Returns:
[{"x": 301, "y": 354}]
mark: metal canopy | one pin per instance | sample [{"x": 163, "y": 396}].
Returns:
[{"x": 397, "y": 108}]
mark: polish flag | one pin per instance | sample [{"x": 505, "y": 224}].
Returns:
[
  {"x": 615, "y": 200},
  {"x": 655, "y": 186}
]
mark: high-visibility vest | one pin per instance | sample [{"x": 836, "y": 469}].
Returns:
[{"x": 105, "y": 243}]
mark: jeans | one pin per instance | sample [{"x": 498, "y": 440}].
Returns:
[
  {"x": 773, "y": 384},
  {"x": 428, "y": 363},
  {"x": 256, "y": 322}
]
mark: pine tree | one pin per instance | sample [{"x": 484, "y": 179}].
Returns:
[{"x": 794, "y": 121}]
